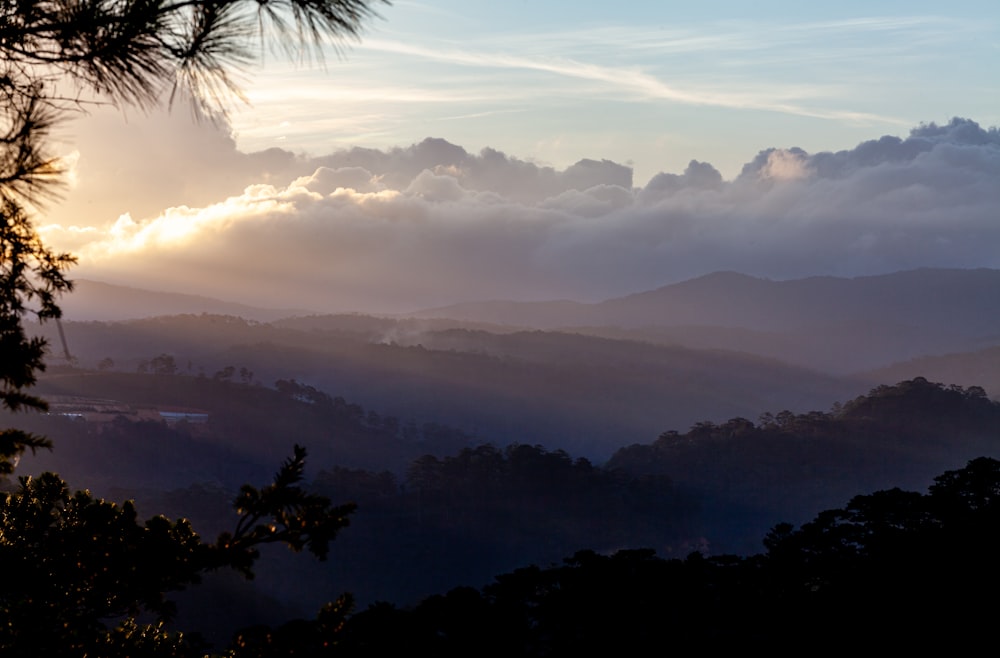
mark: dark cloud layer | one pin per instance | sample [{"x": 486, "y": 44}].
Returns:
[{"x": 433, "y": 223}]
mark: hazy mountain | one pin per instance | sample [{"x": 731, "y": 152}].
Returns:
[
  {"x": 943, "y": 300},
  {"x": 711, "y": 348},
  {"x": 978, "y": 368},
  {"x": 837, "y": 324},
  {"x": 585, "y": 393},
  {"x": 93, "y": 300},
  {"x": 936, "y": 298},
  {"x": 833, "y": 324}
]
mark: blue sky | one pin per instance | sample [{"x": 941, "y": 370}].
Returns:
[{"x": 654, "y": 84}]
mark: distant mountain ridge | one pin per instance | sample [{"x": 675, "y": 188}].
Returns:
[
  {"x": 928, "y": 297},
  {"x": 733, "y": 299},
  {"x": 837, "y": 325},
  {"x": 830, "y": 323},
  {"x": 97, "y": 301}
]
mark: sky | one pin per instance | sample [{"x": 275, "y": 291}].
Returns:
[{"x": 582, "y": 150}]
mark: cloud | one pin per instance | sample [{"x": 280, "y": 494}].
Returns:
[
  {"x": 326, "y": 181},
  {"x": 132, "y": 166},
  {"x": 431, "y": 223},
  {"x": 624, "y": 81},
  {"x": 697, "y": 176}
]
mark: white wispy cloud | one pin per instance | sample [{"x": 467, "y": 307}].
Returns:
[{"x": 629, "y": 81}]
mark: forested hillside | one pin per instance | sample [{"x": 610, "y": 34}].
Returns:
[
  {"x": 586, "y": 394},
  {"x": 789, "y": 465},
  {"x": 433, "y": 518},
  {"x": 892, "y": 568}
]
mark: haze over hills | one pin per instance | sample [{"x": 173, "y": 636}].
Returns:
[
  {"x": 942, "y": 300},
  {"x": 584, "y": 393},
  {"x": 836, "y": 324},
  {"x": 95, "y": 300},
  {"x": 975, "y": 368},
  {"x": 936, "y": 298}
]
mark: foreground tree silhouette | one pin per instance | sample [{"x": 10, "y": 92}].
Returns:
[
  {"x": 81, "y": 573},
  {"x": 894, "y": 569}
]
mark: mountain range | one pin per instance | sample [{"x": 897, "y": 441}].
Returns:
[{"x": 837, "y": 325}]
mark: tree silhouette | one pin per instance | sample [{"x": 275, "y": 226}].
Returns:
[
  {"x": 893, "y": 568},
  {"x": 83, "y": 573},
  {"x": 163, "y": 364},
  {"x": 83, "y": 576}
]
